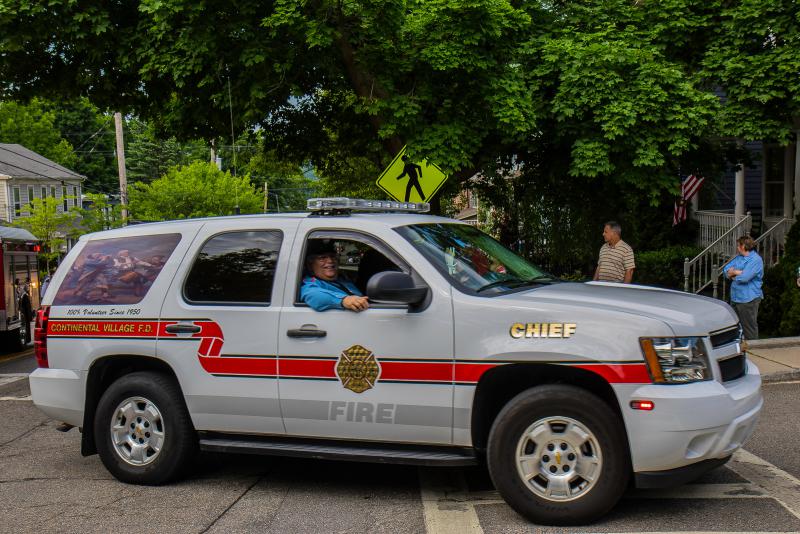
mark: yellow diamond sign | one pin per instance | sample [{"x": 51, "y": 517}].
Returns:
[{"x": 411, "y": 181}]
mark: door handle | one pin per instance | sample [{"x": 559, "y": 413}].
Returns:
[
  {"x": 306, "y": 331},
  {"x": 182, "y": 328}
]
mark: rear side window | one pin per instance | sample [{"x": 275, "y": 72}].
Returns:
[
  {"x": 116, "y": 271},
  {"x": 235, "y": 268}
]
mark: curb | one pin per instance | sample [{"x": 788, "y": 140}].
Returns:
[
  {"x": 783, "y": 376},
  {"x": 774, "y": 343}
]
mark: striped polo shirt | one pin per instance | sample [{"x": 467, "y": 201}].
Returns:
[{"x": 614, "y": 261}]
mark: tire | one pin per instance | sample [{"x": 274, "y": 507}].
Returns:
[
  {"x": 558, "y": 455},
  {"x": 162, "y": 441}
]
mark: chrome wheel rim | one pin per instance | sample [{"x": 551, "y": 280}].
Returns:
[
  {"x": 559, "y": 459},
  {"x": 137, "y": 431}
]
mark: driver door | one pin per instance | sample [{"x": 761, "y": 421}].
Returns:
[{"x": 384, "y": 374}]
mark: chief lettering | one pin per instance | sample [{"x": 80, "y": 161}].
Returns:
[{"x": 529, "y": 330}]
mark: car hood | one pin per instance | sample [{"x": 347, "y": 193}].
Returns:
[{"x": 686, "y": 314}]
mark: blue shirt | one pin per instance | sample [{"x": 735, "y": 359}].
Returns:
[
  {"x": 322, "y": 295},
  {"x": 747, "y": 286}
]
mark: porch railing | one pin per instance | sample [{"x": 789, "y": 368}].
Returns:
[
  {"x": 771, "y": 246},
  {"x": 713, "y": 224},
  {"x": 703, "y": 270}
]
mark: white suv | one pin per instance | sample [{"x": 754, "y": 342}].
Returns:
[{"x": 162, "y": 339}]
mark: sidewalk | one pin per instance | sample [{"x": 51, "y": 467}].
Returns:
[{"x": 778, "y": 359}]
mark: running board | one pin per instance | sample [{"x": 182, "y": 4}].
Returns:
[{"x": 339, "y": 450}]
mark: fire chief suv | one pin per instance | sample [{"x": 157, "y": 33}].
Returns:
[{"x": 160, "y": 340}]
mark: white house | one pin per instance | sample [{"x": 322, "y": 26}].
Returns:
[{"x": 25, "y": 175}]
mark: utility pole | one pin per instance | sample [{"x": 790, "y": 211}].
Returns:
[
  {"x": 123, "y": 177},
  {"x": 214, "y": 151},
  {"x": 266, "y": 192}
]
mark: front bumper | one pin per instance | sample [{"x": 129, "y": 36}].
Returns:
[
  {"x": 690, "y": 423},
  {"x": 59, "y": 393}
]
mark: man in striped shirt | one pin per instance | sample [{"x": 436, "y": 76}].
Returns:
[{"x": 615, "y": 263}]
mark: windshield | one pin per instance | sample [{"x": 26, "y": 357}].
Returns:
[{"x": 473, "y": 261}]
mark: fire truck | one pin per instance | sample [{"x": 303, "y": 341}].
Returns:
[{"x": 18, "y": 257}]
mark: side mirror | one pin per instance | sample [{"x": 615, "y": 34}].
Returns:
[{"x": 395, "y": 287}]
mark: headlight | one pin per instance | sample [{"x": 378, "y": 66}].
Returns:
[{"x": 676, "y": 360}]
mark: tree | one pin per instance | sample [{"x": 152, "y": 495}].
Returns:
[
  {"x": 196, "y": 190},
  {"x": 32, "y": 125},
  {"x": 48, "y": 225},
  {"x": 464, "y": 84},
  {"x": 91, "y": 133},
  {"x": 149, "y": 157},
  {"x": 100, "y": 215},
  {"x": 754, "y": 59}
]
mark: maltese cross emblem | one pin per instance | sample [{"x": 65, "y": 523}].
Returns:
[{"x": 358, "y": 369}]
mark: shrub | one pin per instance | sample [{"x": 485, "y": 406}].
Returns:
[
  {"x": 663, "y": 267},
  {"x": 779, "y": 313}
]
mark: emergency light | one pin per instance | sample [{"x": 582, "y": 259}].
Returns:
[{"x": 344, "y": 204}]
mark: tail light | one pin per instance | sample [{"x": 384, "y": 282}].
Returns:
[{"x": 40, "y": 336}]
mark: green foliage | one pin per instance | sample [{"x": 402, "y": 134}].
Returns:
[
  {"x": 32, "y": 125},
  {"x": 91, "y": 133},
  {"x": 664, "y": 267},
  {"x": 48, "y": 225},
  {"x": 101, "y": 215},
  {"x": 148, "y": 157},
  {"x": 779, "y": 313},
  {"x": 196, "y": 190},
  {"x": 287, "y": 186}
]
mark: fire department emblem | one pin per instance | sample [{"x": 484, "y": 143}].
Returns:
[{"x": 358, "y": 369}]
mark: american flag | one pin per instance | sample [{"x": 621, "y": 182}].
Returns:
[{"x": 689, "y": 188}]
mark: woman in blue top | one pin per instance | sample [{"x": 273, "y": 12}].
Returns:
[
  {"x": 746, "y": 272},
  {"x": 323, "y": 290}
]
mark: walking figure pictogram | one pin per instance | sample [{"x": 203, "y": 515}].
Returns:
[{"x": 414, "y": 173}]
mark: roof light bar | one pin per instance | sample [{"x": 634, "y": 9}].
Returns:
[{"x": 358, "y": 204}]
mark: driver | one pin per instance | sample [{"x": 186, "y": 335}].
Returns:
[{"x": 323, "y": 290}]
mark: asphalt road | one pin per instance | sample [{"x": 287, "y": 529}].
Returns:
[{"x": 46, "y": 486}]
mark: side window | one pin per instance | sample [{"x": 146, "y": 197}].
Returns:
[
  {"x": 116, "y": 271},
  {"x": 356, "y": 261},
  {"x": 235, "y": 268}
]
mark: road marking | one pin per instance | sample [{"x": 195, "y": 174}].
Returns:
[
  {"x": 449, "y": 508},
  {"x": 10, "y": 378},
  {"x": 445, "y": 503},
  {"x": 27, "y": 398},
  {"x": 779, "y": 484}
]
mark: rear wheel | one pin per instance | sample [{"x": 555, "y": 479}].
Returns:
[
  {"x": 558, "y": 455},
  {"x": 142, "y": 429}
]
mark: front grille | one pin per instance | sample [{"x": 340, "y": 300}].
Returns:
[
  {"x": 733, "y": 368},
  {"x": 723, "y": 337}
]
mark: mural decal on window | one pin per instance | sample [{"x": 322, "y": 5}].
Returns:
[{"x": 116, "y": 271}]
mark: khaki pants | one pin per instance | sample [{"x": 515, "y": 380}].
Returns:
[{"x": 748, "y": 316}]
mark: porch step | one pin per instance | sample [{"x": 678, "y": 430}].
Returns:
[{"x": 356, "y": 451}]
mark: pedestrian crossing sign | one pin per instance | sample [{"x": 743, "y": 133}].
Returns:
[{"x": 411, "y": 181}]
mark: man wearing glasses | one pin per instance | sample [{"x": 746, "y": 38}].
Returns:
[{"x": 322, "y": 289}]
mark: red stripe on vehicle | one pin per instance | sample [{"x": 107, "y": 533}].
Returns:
[
  {"x": 472, "y": 372},
  {"x": 419, "y": 371},
  {"x": 81, "y": 328},
  {"x": 620, "y": 374},
  {"x": 315, "y": 368},
  {"x": 242, "y": 366}
]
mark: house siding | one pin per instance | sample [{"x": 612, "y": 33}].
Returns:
[{"x": 753, "y": 177}]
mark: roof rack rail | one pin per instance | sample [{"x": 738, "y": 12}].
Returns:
[{"x": 345, "y": 206}]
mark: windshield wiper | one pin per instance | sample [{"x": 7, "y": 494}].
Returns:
[{"x": 517, "y": 282}]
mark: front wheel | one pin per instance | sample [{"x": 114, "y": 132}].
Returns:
[
  {"x": 558, "y": 455},
  {"x": 142, "y": 429}
]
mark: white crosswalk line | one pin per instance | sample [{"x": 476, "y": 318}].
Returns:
[
  {"x": 445, "y": 503},
  {"x": 778, "y": 484},
  {"x": 9, "y": 378}
]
